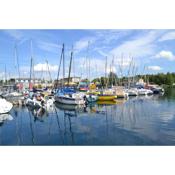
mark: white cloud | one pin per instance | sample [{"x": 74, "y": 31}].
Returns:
[
  {"x": 123, "y": 62},
  {"x": 24, "y": 69},
  {"x": 168, "y": 36},
  {"x": 166, "y": 54},
  {"x": 44, "y": 67},
  {"x": 107, "y": 36},
  {"x": 139, "y": 46},
  {"x": 2, "y": 74},
  {"x": 102, "y": 53},
  {"x": 112, "y": 68},
  {"x": 48, "y": 46},
  {"x": 16, "y": 34},
  {"x": 83, "y": 43},
  {"x": 154, "y": 68}
]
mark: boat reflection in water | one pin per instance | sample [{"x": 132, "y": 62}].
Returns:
[
  {"x": 69, "y": 107},
  {"x": 112, "y": 102},
  {"x": 5, "y": 117}
]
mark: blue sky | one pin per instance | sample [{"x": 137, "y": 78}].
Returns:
[{"x": 152, "y": 49}]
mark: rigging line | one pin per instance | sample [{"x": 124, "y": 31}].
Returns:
[
  {"x": 17, "y": 60},
  {"x": 58, "y": 122},
  {"x": 32, "y": 132},
  {"x": 49, "y": 70},
  {"x": 61, "y": 57},
  {"x": 70, "y": 66}
]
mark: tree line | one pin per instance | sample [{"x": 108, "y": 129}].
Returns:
[{"x": 160, "y": 79}]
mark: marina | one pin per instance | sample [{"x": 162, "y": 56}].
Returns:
[
  {"x": 141, "y": 120},
  {"x": 112, "y": 100}
]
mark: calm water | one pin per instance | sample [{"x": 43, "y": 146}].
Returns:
[{"x": 137, "y": 121}]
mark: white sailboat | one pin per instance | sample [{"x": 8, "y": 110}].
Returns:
[
  {"x": 71, "y": 100},
  {"x": 64, "y": 97},
  {"x": 143, "y": 91},
  {"x": 5, "y": 106},
  {"x": 132, "y": 92}
]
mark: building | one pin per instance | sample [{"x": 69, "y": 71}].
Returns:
[
  {"x": 23, "y": 83},
  {"x": 72, "y": 81}
]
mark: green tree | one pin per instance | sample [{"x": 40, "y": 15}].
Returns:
[{"x": 112, "y": 78}]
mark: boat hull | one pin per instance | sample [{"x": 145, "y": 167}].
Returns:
[
  {"x": 144, "y": 92},
  {"x": 69, "y": 100},
  {"x": 107, "y": 102},
  {"x": 91, "y": 98},
  {"x": 106, "y": 97},
  {"x": 5, "y": 106},
  {"x": 33, "y": 103}
]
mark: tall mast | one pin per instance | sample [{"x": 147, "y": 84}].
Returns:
[
  {"x": 70, "y": 66},
  {"x": 106, "y": 72},
  {"x": 87, "y": 62},
  {"x": 17, "y": 61},
  {"x": 49, "y": 70},
  {"x": 129, "y": 71},
  {"x": 63, "y": 65},
  {"x": 31, "y": 63},
  {"x": 112, "y": 71},
  {"x": 59, "y": 66},
  {"x": 96, "y": 70},
  {"x": 5, "y": 75}
]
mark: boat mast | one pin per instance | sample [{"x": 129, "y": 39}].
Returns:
[
  {"x": 5, "y": 75},
  {"x": 70, "y": 66},
  {"x": 31, "y": 65},
  {"x": 63, "y": 67},
  {"x": 121, "y": 70},
  {"x": 111, "y": 70},
  {"x": 59, "y": 66},
  {"x": 112, "y": 78},
  {"x": 87, "y": 62},
  {"x": 17, "y": 61},
  {"x": 129, "y": 71},
  {"x": 49, "y": 70},
  {"x": 135, "y": 69},
  {"x": 106, "y": 73}
]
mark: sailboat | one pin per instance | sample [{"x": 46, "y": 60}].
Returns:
[
  {"x": 106, "y": 95},
  {"x": 15, "y": 97},
  {"x": 4, "y": 117},
  {"x": 132, "y": 91},
  {"x": 5, "y": 106},
  {"x": 66, "y": 95},
  {"x": 143, "y": 91}
]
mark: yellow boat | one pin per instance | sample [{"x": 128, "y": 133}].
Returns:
[
  {"x": 111, "y": 102},
  {"x": 93, "y": 92},
  {"x": 106, "y": 97}
]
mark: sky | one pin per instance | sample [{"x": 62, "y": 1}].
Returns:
[{"x": 151, "y": 51}]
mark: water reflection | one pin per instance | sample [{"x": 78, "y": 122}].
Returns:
[
  {"x": 142, "y": 120},
  {"x": 5, "y": 117}
]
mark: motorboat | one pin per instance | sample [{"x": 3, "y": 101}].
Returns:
[
  {"x": 143, "y": 91},
  {"x": 33, "y": 103},
  {"x": 69, "y": 99},
  {"x": 91, "y": 98},
  {"x": 69, "y": 96},
  {"x": 106, "y": 97},
  {"x": 132, "y": 91},
  {"x": 120, "y": 92}
]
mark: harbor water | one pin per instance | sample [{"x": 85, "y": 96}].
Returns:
[{"x": 142, "y": 120}]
